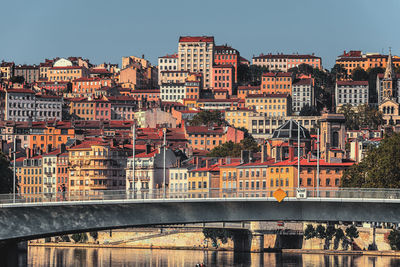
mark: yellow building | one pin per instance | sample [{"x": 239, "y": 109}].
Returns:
[
  {"x": 238, "y": 118},
  {"x": 6, "y": 70},
  {"x": 202, "y": 181},
  {"x": 228, "y": 180},
  {"x": 274, "y": 105},
  {"x": 29, "y": 176},
  {"x": 67, "y": 73},
  {"x": 96, "y": 165}
]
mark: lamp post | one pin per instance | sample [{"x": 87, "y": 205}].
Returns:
[
  {"x": 298, "y": 154},
  {"x": 318, "y": 163},
  {"x": 133, "y": 158},
  {"x": 164, "y": 169},
  {"x": 14, "y": 152}
]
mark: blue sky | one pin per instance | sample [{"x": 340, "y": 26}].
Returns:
[{"x": 104, "y": 31}]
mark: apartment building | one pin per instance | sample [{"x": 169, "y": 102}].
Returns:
[
  {"x": 67, "y": 73},
  {"x": 172, "y": 91},
  {"x": 223, "y": 77},
  {"x": 196, "y": 54},
  {"x": 275, "y": 105},
  {"x": 353, "y": 93},
  {"x": 302, "y": 94},
  {"x": 167, "y": 63},
  {"x": 226, "y": 55},
  {"x": 284, "y": 62},
  {"x": 276, "y": 83},
  {"x": 29, "y": 72}
]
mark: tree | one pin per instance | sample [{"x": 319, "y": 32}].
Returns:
[
  {"x": 94, "y": 235},
  {"x": 309, "y": 232},
  {"x": 307, "y": 110},
  {"x": 231, "y": 149},
  {"x": 339, "y": 235},
  {"x": 379, "y": 169},
  {"x": 217, "y": 234},
  {"x": 394, "y": 239},
  {"x": 250, "y": 75},
  {"x": 65, "y": 238},
  {"x": 17, "y": 79},
  {"x": 372, "y": 76},
  {"x": 351, "y": 233},
  {"x": 329, "y": 233},
  {"x": 206, "y": 117},
  {"x": 339, "y": 72},
  {"x": 359, "y": 74},
  {"x": 361, "y": 116},
  {"x": 76, "y": 237},
  {"x": 6, "y": 176}
]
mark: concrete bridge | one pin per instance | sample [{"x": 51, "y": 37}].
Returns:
[{"x": 25, "y": 221}]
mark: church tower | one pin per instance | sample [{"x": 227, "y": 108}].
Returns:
[{"x": 387, "y": 83}]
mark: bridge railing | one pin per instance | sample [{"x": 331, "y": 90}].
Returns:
[{"x": 201, "y": 193}]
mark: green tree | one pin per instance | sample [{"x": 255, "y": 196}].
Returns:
[
  {"x": 379, "y": 169},
  {"x": 372, "y": 76},
  {"x": 351, "y": 234},
  {"x": 394, "y": 239},
  {"x": 231, "y": 149},
  {"x": 309, "y": 232},
  {"x": 361, "y": 116},
  {"x": 207, "y": 118},
  {"x": 94, "y": 235},
  {"x": 307, "y": 110},
  {"x": 84, "y": 237},
  {"x": 329, "y": 233},
  {"x": 339, "y": 72},
  {"x": 17, "y": 79},
  {"x": 76, "y": 237},
  {"x": 6, "y": 176},
  {"x": 350, "y": 117},
  {"x": 217, "y": 234},
  {"x": 359, "y": 74},
  {"x": 250, "y": 74},
  {"x": 65, "y": 238},
  {"x": 339, "y": 235}
]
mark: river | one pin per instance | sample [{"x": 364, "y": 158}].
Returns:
[{"x": 119, "y": 257}]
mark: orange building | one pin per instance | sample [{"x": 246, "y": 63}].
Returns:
[
  {"x": 82, "y": 107},
  {"x": 206, "y": 138},
  {"x": 244, "y": 91},
  {"x": 277, "y": 83},
  {"x": 48, "y": 136},
  {"x": 88, "y": 86},
  {"x": 226, "y": 55},
  {"x": 356, "y": 59},
  {"x": 223, "y": 77}
]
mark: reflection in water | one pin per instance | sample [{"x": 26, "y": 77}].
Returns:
[{"x": 119, "y": 257}]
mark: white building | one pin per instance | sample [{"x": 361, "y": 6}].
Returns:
[
  {"x": 196, "y": 54},
  {"x": 172, "y": 91},
  {"x": 302, "y": 94},
  {"x": 354, "y": 93},
  {"x": 20, "y": 105},
  {"x": 167, "y": 63},
  {"x": 149, "y": 167},
  {"x": 178, "y": 181},
  {"x": 50, "y": 173},
  {"x": 48, "y": 107}
]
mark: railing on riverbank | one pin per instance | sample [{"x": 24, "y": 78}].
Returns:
[{"x": 204, "y": 193}]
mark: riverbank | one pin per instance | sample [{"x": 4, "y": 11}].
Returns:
[
  {"x": 391, "y": 253},
  {"x": 86, "y": 245}
]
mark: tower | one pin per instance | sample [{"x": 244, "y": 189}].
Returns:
[
  {"x": 387, "y": 83},
  {"x": 333, "y": 133}
]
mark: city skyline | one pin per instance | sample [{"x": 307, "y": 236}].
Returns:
[{"x": 111, "y": 31}]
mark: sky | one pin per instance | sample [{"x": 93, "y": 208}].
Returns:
[{"x": 104, "y": 31}]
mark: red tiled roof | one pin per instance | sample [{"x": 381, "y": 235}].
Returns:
[
  {"x": 86, "y": 79},
  {"x": 189, "y": 39},
  {"x": 205, "y": 129},
  {"x": 212, "y": 168},
  {"x": 277, "y": 74},
  {"x": 313, "y": 162},
  {"x": 66, "y": 67},
  {"x": 223, "y": 66},
  {"x": 307, "y": 81},
  {"x": 267, "y": 95},
  {"x": 22, "y": 90},
  {"x": 144, "y": 155},
  {"x": 352, "y": 83},
  {"x": 286, "y": 56},
  {"x": 170, "y": 56},
  {"x": 248, "y": 87}
]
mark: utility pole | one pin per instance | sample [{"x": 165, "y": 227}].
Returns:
[
  {"x": 318, "y": 163},
  {"x": 133, "y": 158},
  {"x": 164, "y": 170},
  {"x": 298, "y": 154},
  {"x": 15, "y": 151}
]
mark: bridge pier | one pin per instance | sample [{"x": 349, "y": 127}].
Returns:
[
  {"x": 13, "y": 254},
  {"x": 257, "y": 242}
]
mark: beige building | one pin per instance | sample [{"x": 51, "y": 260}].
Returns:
[
  {"x": 275, "y": 105},
  {"x": 6, "y": 70},
  {"x": 195, "y": 54},
  {"x": 67, "y": 73}
]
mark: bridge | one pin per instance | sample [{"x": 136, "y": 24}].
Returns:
[{"x": 25, "y": 218}]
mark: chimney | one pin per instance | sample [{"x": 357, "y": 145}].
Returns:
[
  {"x": 148, "y": 148},
  {"x": 264, "y": 155},
  {"x": 27, "y": 152},
  {"x": 63, "y": 148},
  {"x": 244, "y": 156},
  {"x": 291, "y": 152}
]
